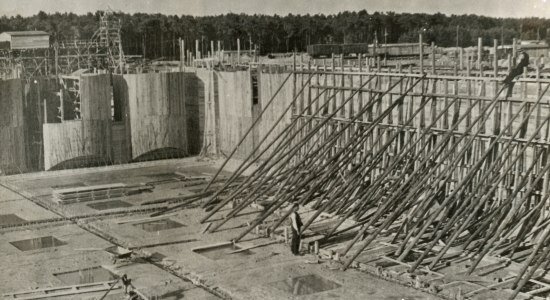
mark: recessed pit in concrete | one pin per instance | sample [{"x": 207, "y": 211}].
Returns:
[
  {"x": 11, "y": 219},
  {"x": 83, "y": 276},
  {"x": 37, "y": 243},
  {"x": 158, "y": 225},
  {"x": 112, "y": 204},
  {"x": 162, "y": 176},
  {"x": 305, "y": 285},
  {"x": 222, "y": 251}
]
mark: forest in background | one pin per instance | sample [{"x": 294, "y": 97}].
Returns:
[{"x": 155, "y": 35}]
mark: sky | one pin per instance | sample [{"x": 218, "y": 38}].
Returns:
[{"x": 493, "y": 8}]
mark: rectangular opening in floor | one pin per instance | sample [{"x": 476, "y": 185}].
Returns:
[
  {"x": 37, "y": 243},
  {"x": 11, "y": 219},
  {"x": 87, "y": 275},
  {"x": 162, "y": 176},
  {"x": 223, "y": 251},
  {"x": 305, "y": 285},
  {"x": 112, "y": 204},
  {"x": 158, "y": 225}
]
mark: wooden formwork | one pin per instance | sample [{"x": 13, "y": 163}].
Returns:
[
  {"x": 432, "y": 164},
  {"x": 12, "y": 130},
  {"x": 88, "y": 138}
]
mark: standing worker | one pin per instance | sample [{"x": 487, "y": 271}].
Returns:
[
  {"x": 296, "y": 225},
  {"x": 127, "y": 282},
  {"x": 516, "y": 71}
]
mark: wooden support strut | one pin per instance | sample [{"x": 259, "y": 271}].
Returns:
[
  {"x": 382, "y": 209},
  {"x": 279, "y": 204}
]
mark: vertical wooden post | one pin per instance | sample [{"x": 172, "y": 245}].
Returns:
[
  {"x": 183, "y": 51},
  {"x": 333, "y": 63},
  {"x": 239, "y": 52},
  {"x": 495, "y": 57},
  {"x": 461, "y": 59},
  {"x": 219, "y": 51},
  {"x": 45, "y": 112},
  {"x": 212, "y": 49},
  {"x": 514, "y": 51},
  {"x": 197, "y": 49},
  {"x": 56, "y": 52},
  {"x": 61, "y": 110},
  {"x": 182, "y": 61},
  {"x": 479, "y": 53},
  {"x": 421, "y": 53},
  {"x": 294, "y": 79},
  {"x": 433, "y": 58}
]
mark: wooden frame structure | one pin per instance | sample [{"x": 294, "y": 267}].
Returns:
[{"x": 432, "y": 164}]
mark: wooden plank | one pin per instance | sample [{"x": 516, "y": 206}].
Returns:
[
  {"x": 63, "y": 290},
  {"x": 89, "y": 188},
  {"x": 254, "y": 246}
]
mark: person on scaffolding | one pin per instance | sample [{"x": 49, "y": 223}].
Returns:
[
  {"x": 516, "y": 71},
  {"x": 296, "y": 226}
]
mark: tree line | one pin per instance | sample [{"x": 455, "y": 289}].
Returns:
[{"x": 155, "y": 35}]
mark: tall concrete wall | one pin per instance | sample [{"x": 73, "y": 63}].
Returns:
[
  {"x": 12, "y": 130},
  {"x": 86, "y": 141}
]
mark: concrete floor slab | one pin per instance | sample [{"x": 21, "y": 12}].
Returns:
[{"x": 252, "y": 276}]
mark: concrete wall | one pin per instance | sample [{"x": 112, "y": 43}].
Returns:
[
  {"x": 157, "y": 112},
  {"x": 84, "y": 142},
  {"x": 12, "y": 130}
]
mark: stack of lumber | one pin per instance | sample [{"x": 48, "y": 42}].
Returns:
[
  {"x": 191, "y": 180},
  {"x": 89, "y": 193}
]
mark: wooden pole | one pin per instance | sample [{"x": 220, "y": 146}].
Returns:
[
  {"x": 479, "y": 53},
  {"x": 212, "y": 49},
  {"x": 421, "y": 53},
  {"x": 514, "y": 51},
  {"x": 495, "y": 57},
  {"x": 433, "y": 58},
  {"x": 461, "y": 58},
  {"x": 238, "y": 51},
  {"x": 197, "y": 51},
  {"x": 61, "y": 105}
]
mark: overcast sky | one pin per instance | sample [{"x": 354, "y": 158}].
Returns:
[{"x": 495, "y": 8}]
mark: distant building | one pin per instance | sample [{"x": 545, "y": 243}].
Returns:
[
  {"x": 15, "y": 40},
  {"x": 535, "y": 48}
]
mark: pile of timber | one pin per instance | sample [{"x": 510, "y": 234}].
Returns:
[
  {"x": 89, "y": 193},
  {"x": 191, "y": 180}
]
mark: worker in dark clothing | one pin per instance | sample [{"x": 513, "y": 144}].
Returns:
[
  {"x": 127, "y": 282},
  {"x": 296, "y": 226},
  {"x": 516, "y": 71}
]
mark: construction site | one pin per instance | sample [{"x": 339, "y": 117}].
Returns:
[{"x": 417, "y": 173}]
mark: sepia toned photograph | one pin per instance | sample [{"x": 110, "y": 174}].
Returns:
[{"x": 254, "y": 149}]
